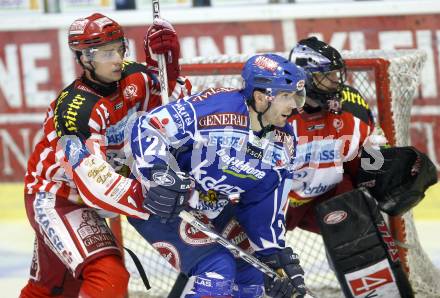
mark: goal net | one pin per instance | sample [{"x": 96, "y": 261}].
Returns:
[{"x": 388, "y": 80}]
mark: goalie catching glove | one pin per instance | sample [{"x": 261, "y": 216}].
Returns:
[
  {"x": 169, "y": 191},
  {"x": 401, "y": 181},
  {"x": 292, "y": 280}
]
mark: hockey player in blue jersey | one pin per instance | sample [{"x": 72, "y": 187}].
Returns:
[{"x": 233, "y": 147}]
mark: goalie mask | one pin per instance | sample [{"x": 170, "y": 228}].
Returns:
[{"x": 325, "y": 68}]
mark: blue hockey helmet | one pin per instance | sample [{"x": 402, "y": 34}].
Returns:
[{"x": 272, "y": 73}]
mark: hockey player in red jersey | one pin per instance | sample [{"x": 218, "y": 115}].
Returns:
[
  {"x": 75, "y": 253},
  {"x": 331, "y": 129},
  {"x": 337, "y": 190}
]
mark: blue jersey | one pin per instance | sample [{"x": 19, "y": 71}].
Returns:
[{"x": 208, "y": 135}]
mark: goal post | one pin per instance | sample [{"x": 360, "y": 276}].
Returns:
[{"x": 388, "y": 80}]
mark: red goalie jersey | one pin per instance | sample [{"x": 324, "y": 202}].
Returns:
[{"x": 326, "y": 158}]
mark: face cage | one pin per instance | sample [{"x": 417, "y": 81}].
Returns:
[
  {"x": 91, "y": 53},
  {"x": 340, "y": 83}
]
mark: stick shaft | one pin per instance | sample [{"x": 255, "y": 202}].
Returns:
[
  {"x": 161, "y": 62},
  {"x": 235, "y": 250}
]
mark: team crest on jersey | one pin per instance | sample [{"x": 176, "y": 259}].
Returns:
[
  {"x": 193, "y": 236},
  {"x": 169, "y": 252},
  {"x": 338, "y": 124},
  {"x": 130, "y": 91}
]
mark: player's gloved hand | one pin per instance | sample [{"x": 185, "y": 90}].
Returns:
[
  {"x": 74, "y": 149},
  {"x": 161, "y": 38},
  {"x": 169, "y": 191},
  {"x": 292, "y": 281}
]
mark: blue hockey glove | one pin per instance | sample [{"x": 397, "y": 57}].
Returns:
[
  {"x": 74, "y": 149},
  {"x": 292, "y": 282},
  {"x": 169, "y": 191}
]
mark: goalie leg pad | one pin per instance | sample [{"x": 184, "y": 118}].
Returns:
[{"x": 360, "y": 247}]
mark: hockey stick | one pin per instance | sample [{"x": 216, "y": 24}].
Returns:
[
  {"x": 235, "y": 250},
  {"x": 163, "y": 78}
]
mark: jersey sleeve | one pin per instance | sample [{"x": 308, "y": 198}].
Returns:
[
  {"x": 84, "y": 115},
  {"x": 154, "y": 135},
  {"x": 353, "y": 102},
  {"x": 102, "y": 188}
]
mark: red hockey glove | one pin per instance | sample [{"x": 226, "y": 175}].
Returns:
[{"x": 161, "y": 38}]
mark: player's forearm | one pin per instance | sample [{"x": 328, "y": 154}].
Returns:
[{"x": 101, "y": 187}]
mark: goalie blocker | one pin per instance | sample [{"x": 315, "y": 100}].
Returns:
[{"x": 361, "y": 248}]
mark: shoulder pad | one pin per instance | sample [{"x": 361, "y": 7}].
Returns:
[
  {"x": 130, "y": 67},
  {"x": 72, "y": 112},
  {"x": 353, "y": 102}
]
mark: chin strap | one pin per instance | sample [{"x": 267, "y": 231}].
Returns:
[{"x": 264, "y": 129}]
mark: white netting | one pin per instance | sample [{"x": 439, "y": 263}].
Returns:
[{"x": 403, "y": 75}]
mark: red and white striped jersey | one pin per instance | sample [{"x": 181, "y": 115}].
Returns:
[
  {"x": 327, "y": 141},
  {"x": 97, "y": 114}
]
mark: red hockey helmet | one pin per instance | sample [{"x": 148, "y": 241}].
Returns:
[{"x": 92, "y": 31}]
